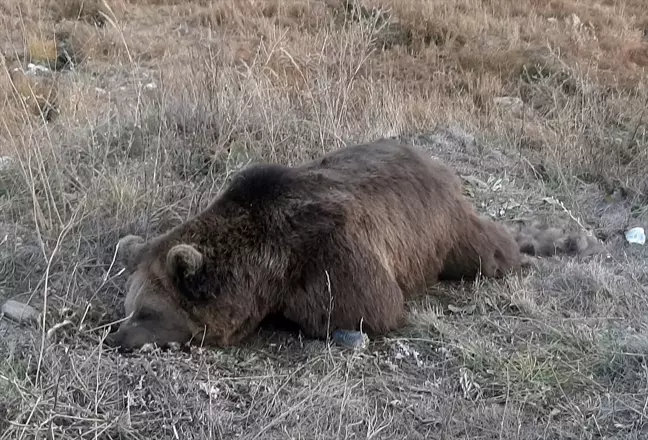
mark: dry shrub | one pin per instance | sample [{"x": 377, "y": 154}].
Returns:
[
  {"x": 167, "y": 2},
  {"x": 25, "y": 10},
  {"x": 38, "y": 92},
  {"x": 637, "y": 54},
  {"x": 55, "y": 52},
  {"x": 14, "y": 111},
  {"x": 43, "y": 50},
  {"x": 422, "y": 25},
  {"x": 287, "y": 65},
  {"x": 95, "y": 12},
  {"x": 110, "y": 45},
  {"x": 257, "y": 18},
  {"x": 497, "y": 38},
  {"x": 599, "y": 15}
]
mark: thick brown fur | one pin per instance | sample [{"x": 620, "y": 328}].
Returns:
[{"x": 336, "y": 243}]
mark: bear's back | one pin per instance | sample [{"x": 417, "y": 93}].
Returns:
[
  {"x": 383, "y": 199},
  {"x": 381, "y": 168},
  {"x": 398, "y": 203},
  {"x": 383, "y": 184}
]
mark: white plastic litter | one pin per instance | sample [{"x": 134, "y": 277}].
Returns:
[{"x": 636, "y": 236}]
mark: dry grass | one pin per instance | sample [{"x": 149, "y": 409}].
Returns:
[{"x": 156, "y": 101}]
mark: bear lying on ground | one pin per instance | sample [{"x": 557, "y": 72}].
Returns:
[{"x": 334, "y": 246}]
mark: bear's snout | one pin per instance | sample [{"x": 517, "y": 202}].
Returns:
[
  {"x": 111, "y": 340},
  {"x": 128, "y": 338},
  {"x": 133, "y": 335},
  {"x": 116, "y": 340}
]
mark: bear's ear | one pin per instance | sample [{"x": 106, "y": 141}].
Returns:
[
  {"x": 128, "y": 248},
  {"x": 183, "y": 262}
]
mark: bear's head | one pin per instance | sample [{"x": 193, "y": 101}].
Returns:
[{"x": 156, "y": 305}]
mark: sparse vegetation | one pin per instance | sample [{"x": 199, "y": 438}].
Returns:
[{"x": 148, "y": 106}]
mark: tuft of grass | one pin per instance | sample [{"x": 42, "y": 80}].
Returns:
[
  {"x": 55, "y": 53},
  {"x": 95, "y": 12},
  {"x": 39, "y": 94}
]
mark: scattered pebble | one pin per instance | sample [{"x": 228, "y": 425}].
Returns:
[
  {"x": 510, "y": 103},
  {"x": 174, "y": 346},
  {"x": 209, "y": 389},
  {"x": 35, "y": 68},
  {"x": 19, "y": 312},
  {"x": 148, "y": 348},
  {"x": 469, "y": 309},
  {"x": 58, "y": 326},
  {"x": 6, "y": 163},
  {"x": 574, "y": 20},
  {"x": 405, "y": 351}
]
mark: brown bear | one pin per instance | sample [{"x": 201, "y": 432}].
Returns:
[{"x": 335, "y": 246}]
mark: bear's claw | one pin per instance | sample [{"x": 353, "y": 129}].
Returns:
[{"x": 350, "y": 338}]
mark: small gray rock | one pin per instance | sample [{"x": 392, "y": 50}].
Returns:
[
  {"x": 19, "y": 312},
  {"x": 6, "y": 163},
  {"x": 510, "y": 103},
  {"x": 350, "y": 339}
]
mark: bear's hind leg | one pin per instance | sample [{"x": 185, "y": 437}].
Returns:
[{"x": 483, "y": 248}]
